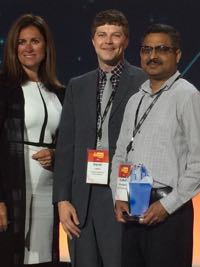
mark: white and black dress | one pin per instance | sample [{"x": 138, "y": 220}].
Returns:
[{"x": 42, "y": 116}]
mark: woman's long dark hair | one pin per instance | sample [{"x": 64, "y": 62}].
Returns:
[{"x": 12, "y": 70}]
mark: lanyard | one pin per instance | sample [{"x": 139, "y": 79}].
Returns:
[
  {"x": 102, "y": 117},
  {"x": 144, "y": 116}
]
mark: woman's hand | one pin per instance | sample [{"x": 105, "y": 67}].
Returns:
[
  {"x": 45, "y": 157},
  {"x": 3, "y": 217}
]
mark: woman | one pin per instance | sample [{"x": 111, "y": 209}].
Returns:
[{"x": 29, "y": 116}]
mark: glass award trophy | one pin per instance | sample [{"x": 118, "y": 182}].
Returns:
[{"x": 139, "y": 190}]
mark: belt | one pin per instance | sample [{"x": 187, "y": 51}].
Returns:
[
  {"x": 37, "y": 144},
  {"x": 40, "y": 144},
  {"x": 158, "y": 193}
]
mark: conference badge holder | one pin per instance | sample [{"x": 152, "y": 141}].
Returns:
[{"x": 97, "y": 166}]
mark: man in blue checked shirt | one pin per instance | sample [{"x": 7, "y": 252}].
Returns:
[{"x": 161, "y": 129}]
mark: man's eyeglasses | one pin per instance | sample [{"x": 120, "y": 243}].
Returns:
[{"x": 160, "y": 49}]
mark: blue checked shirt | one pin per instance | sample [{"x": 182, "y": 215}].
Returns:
[{"x": 168, "y": 142}]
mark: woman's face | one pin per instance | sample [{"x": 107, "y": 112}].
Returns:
[{"x": 31, "y": 49}]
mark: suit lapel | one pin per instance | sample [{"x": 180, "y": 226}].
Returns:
[
  {"x": 90, "y": 96},
  {"x": 126, "y": 81}
]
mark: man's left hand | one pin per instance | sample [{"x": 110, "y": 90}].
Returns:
[{"x": 156, "y": 213}]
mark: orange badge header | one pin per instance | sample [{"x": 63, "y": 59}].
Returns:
[
  {"x": 98, "y": 156},
  {"x": 124, "y": 170}
]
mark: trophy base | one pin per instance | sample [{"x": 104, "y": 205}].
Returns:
[{"x": 130, "y": 218}]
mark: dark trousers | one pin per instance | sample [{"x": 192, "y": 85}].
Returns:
[
  {"x": 168, "y": 244},
  {"x": 100, "y": 242},
  {"x": 6, "y": 249}
]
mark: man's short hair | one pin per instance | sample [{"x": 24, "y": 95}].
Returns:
[
  {"x": 111, "y": 17},
  {"x": 167, "y": 29}
]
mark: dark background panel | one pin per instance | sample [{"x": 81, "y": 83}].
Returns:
[{"x": 70, "y": 22}]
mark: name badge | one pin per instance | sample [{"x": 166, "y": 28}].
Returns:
[
  {"x": 97, "y": 166},
  {"x": 124, "y": 172}
]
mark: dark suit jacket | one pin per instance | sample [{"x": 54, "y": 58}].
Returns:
[{"x": 77, "y": 133}]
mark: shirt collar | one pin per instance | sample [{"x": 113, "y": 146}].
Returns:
[
  {"x": 145, "y": 87},
  {"x": 117, "y": 71}
]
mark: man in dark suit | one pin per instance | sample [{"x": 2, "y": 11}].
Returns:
[{"x": 86, "y": 210}]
